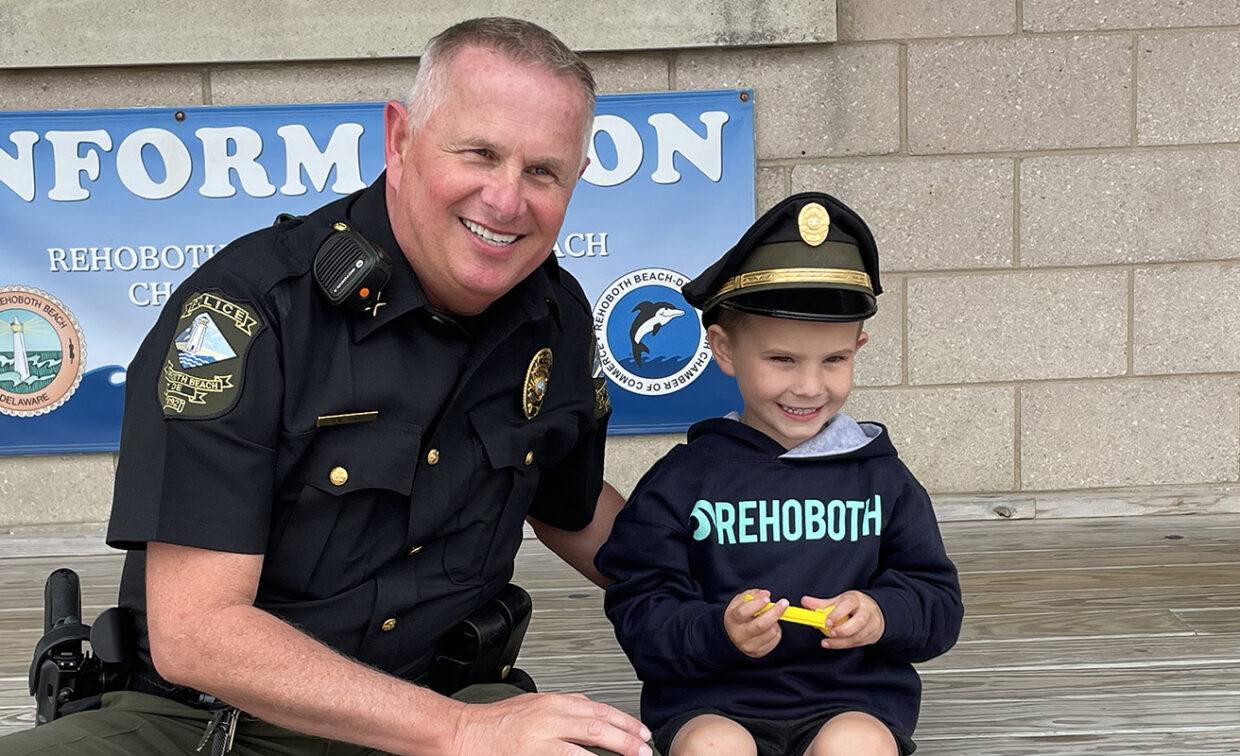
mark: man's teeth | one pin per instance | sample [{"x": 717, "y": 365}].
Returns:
[
  {"x": 488, "y": 236},
  {"x": 799, "y": 411}
]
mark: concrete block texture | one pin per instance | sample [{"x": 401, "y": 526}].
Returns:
[
  {"x": 55, "y": 489},
  {"x": 770, "y": 186},
  {"x": 1042, "y": 93},
  {"x": 881, "y": 361},
  {"x": 1074, "y": 15},
  {"x": 953, "y": 439},
  {"x": 1149, "y": 206},
  {"x": 933, "y": 214},
  {"x": 50, "y": 89},
  {"x": 98, "y": 32},
  {"x": 1130, "y": 432},
  {"x": 1017, "y": 326},
  {"x": 1185, "y": 319},
  {"x": 826, "y": 101},
  {"x": 1188, "y": 87},
  {"x": 625, "y": 74},
  {"x": 629, "y": 457},
  {"x": 282, "y": 84},
  {"x": 910, "y": 19}
]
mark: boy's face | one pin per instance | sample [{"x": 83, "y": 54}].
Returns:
[{"x": 794, "y": 375}]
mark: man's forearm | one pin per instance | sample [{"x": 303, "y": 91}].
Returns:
[{"x": 269, "y": 669}]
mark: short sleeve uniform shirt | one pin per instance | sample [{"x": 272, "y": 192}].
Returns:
[{"x": 382, "y": 461}]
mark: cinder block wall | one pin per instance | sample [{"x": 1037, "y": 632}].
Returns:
[{"x": 1054, "y": 185}]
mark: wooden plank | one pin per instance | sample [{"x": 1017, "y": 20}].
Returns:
[
  {"x": 1088, "y": 654},
  {"x": 1213, "y": 743},
  {"x": 1169, "y": 553},
  {"x": 1205, "y": 500},
  {"x": 1045, "y": 685},
  {"x": 1196, "y": 712},
  {"x": 1089, "y": 533},
  {"x": 1099, "y": 581},
  {"x": 1217, "y": 620},
  {"x": 1173, "y": 598},
  {"x": 73, "y": 544}
]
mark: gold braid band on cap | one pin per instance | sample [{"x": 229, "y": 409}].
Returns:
[{"x": 796, "y": 275}]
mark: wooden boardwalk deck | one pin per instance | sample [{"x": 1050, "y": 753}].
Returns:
[{"x": 1083, "y": 636}]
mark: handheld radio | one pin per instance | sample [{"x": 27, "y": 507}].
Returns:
[{"x": 350, "y": 270}]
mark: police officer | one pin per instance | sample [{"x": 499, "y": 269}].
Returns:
[{"x": 311, "y": 495}]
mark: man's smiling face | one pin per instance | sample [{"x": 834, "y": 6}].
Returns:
[{"x": 476, "y": 197}]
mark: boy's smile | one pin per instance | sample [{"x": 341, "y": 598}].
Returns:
[{"x": 794, "y": 375}]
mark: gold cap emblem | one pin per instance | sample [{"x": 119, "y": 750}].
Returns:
[
  {"x": 813, "y": 223},
  {"x": 536, "y": 378}
]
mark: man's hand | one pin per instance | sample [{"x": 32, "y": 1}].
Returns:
[
  {"x": 547, "y": 723},
  {"x": 855, "y": 621},
  {"x": 754, "y": 636}
]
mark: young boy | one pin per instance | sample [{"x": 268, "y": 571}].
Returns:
[{"x": 792, "y": 502}]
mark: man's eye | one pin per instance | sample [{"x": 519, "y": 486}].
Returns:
[{"x": 481, "y": 152}]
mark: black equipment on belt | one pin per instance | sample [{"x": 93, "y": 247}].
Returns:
[
  {"x": 64, "y": 678},
  {"x": 483, "y": 647}
]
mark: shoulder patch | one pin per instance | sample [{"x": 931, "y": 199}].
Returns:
[{"x": 204, "y": 368}]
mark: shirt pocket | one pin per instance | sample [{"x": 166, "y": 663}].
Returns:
[
  {"x": 348, "y": 506},
  {"x": 488, "y": 525}
]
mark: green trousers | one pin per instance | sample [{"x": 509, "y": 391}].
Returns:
[{"x": 137, "y": 724}]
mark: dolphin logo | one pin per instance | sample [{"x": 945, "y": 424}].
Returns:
[{"x": 651, "y": 316}]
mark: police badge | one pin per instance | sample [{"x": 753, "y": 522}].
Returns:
[{"x": 536, "y": 377}]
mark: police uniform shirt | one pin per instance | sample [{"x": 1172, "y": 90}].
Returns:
[{"x": 383, "y": 461}]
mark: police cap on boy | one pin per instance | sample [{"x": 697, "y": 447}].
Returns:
[{"x": 810, "y": 257}]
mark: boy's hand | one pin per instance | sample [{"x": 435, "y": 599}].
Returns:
[
  {"x": 855, "y": 621},
  {"x": 754, "y": 636}
]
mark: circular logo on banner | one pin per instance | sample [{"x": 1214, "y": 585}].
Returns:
[
  {"x": 651, "y": 341},
  {"x": 42, "y": 352}
]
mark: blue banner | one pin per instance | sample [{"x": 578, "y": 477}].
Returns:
[{"x": 105, "y": 212}]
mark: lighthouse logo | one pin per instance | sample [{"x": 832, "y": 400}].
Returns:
[
  {"x": 42, "y": 352},
  {"x": 650, "y": 341},
  {"x": 205, "y": 364}
]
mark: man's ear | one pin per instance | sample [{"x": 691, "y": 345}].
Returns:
[
  {"x": 396, "y": 135},
  {"x": 721, "y": 347},
  {"x": 862, "y": 338}
]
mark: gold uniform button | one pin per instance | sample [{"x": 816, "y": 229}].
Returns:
[
  {"x": 529, "y": 458},
  {"x": 432, "y": 457},
  {"x": 389, "y": 625},
  {"x": 414, "y": 550},
  {"x": 338, "y": 476}
]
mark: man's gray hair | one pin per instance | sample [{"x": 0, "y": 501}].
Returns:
[{"x": 519, "y": 41}]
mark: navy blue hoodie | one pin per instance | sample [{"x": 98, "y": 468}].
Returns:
[{"x": 732, "y": 510}]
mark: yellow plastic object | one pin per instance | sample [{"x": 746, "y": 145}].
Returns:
[{"x": 799, "y": 615}]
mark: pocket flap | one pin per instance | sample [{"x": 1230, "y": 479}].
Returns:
[
  {"x": 345, "y": 458},
  {"x": 543, "y": 441}
]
